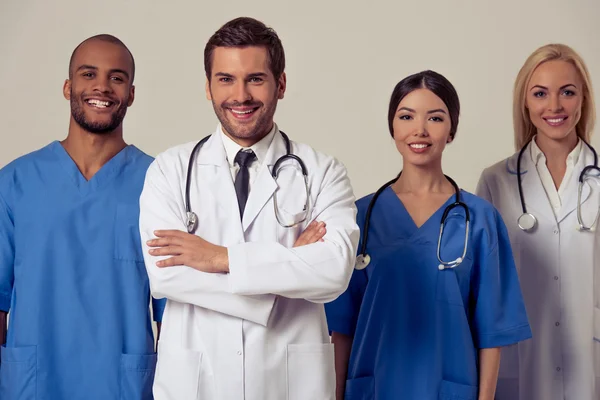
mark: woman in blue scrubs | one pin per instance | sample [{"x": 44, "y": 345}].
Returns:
[{"x": 409, "y": 325}]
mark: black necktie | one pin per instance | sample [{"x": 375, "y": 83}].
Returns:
[{"x": 243, "y": 159}]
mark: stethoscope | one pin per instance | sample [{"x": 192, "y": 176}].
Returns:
[
  {"x": 527, "y": 221},
  {"x": 363, "y": 259},
  {"x": 192, "y": 218}
]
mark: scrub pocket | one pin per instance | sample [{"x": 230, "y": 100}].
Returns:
[
  {"x": 137, "y": 376},
  {"x": 180, "y": 374},
  {"x": 18, "y": 373},
  {"x": 456, "y": 391},
  {"x": 310, "y": 371},
  {"x": 128, "y": 244},
  {"x": 360, "y": 389}
]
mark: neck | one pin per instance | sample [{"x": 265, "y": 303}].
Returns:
[
  {"x": 556, "y": 150},
  {"x": 91, "y": 151},
  {"x": 423, "y": 180}
]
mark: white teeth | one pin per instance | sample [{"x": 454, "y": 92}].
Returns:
[
  {"x": 555, "y": 121},
  {"x": 98, "y": 103},
  {"x": 418, "y": 146},
  {"x": 242, "y": 112}
]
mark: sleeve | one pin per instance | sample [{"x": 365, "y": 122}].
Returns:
[
  {"x": 317, "y": 272},
  {"x": 483, "y": 189},
  {"x": 342, "y": 313},
  {"x": 7, "y": 255},
  {"x": 500, "y": 318},
  {"x": 158, "y": 308},
  {"x": 161, "y": 207}
]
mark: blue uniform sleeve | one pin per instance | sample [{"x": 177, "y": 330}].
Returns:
[
  {"x": 499, "y": 317},
  {"x": 7, "y": 255},
  {"x": 158, "y": 308}
]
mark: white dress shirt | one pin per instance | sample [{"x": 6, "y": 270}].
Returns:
[
  {"x": 260, "y": 149},
  {"x": 539, "y": 158}
]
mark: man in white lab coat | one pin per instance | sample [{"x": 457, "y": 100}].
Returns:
[{"x": 244, "y": 317}]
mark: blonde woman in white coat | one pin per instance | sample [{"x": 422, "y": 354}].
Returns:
[{"x": 558, "y": 262}]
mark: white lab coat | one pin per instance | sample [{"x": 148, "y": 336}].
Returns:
[
  {"x": 259, "y": 332},
  {"x": 559, "y": 274}
]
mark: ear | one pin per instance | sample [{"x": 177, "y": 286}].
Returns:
[
  {"x": 67, "y": 89},
  {"x": 131, "y": 96},
  {"x": 281, "y": 85},
  {"x": 450, "y": 139},
  {"x": 207, "y": 89}
]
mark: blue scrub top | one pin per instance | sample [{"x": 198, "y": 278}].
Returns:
[
  {"x": 417, "y": 330},
  {"x": 72, "y": 276}
]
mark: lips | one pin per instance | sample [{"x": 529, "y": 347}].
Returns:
[
  {"x": 99, "y": 103},
  {"x": 242, "y": 113},
  {"x": 556, "y": 120}
]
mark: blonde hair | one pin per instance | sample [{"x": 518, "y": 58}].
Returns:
[{"x": 524, "y": 128}]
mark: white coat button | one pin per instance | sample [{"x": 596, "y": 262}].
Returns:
[
  {"x": 557, "y": 324},
  {"x": 558, "y": 369},
  {"x": 556, "y": 278},
  {"x": 239, "y": 353},
  {"x": 556, "y": 231}
]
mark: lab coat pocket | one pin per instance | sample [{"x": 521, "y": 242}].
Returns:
[
  {"x": 456, "y": 391},
  {"x": 128, "y": 245},
  {"x": 178, "y": 374},
  {"x": 137, "y": 376},
  {"x": 18, "y": 373},
  {"x": 310, "y": 371},
  {"x": 359, "y": 389}
]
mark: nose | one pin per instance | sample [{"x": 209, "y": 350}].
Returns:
[
  {"x": 555, "y": 105},
  {"x": 241, "y": 93},
  {"x": 102, "y": 84},
  {"x": 421, "y": 127}
]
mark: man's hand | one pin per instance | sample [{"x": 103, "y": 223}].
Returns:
[
  {"x": 190, "y": 250},
  {"x": 313, "y": 233}
]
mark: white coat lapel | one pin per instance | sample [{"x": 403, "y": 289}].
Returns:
[
  {"x": 569, "y": 203},
  {"x": 264, "y": 185},
  {"x": 536, "y": 199},
  {"x": 214, "y": 178}
]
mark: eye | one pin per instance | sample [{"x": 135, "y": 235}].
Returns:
[
  {"x": 88, "y": 74},
  {"x": 569, "y": 93},
  {"x": 117, "y": 78},
  {"x": 255, "y": 79},
  {"x": 437, "y": 119},
  {"x": 225, "y": 79},
  {"x": 539, "y": 94},
  {"x": 405, "y": 117}
]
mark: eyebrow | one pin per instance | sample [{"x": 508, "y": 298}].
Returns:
[
  {"x": 252, "y": 75},
  {"x": 428, "y": 112},
  {"x": 545, "y": 88},
  {"x": 112, "y": 71}
]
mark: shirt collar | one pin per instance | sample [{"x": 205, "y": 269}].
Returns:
[
  {"x": 572, "y": 158},
  {"x": 259, "y": 148}
]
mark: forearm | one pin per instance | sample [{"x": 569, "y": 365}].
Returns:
[
  {"x": 489, "y": 364},
  {"x": 342, "y": 348},
  {"x": 3, "y": 327},
  {"x": 317, "y": 272}
]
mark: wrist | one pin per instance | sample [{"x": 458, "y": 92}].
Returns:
[{"x": 222, "y": 260}]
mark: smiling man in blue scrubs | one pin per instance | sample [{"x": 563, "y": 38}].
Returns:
[{"x": 72, "y": 272}]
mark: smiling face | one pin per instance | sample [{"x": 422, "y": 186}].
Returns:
[
  {"x": 421, "y": 128},
  {"x": 100, "y": 86},
  {"x": 554, "y": 99},
  {"x": 244, "y": 92}
]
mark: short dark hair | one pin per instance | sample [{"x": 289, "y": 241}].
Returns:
[
  {"x": 434, "y": 82},
  {"x": 244, "y": 32},
  {"x": 104, "y": 38}
]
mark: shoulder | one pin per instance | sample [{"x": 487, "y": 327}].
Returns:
[
  {"x": 501, "y": 168},
  {"x": 174, "y": 158},
  {"x": 316, "y": 158},
  {"x": 21, "y": 165},
  {"x": 486, "y": 221}
]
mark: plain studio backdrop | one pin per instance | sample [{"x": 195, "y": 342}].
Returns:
[{"x": 343, "y": 61}]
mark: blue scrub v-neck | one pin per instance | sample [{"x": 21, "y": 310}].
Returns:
[{"x": 104, "y": 175}]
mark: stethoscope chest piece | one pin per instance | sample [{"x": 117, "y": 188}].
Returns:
[
  {"x": 191, "y": 222},
  {"x": 362, "y": 261},
  {"x": 526, "y": 222}
]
